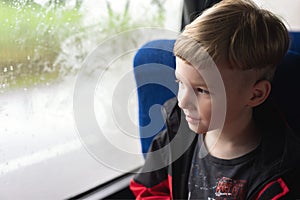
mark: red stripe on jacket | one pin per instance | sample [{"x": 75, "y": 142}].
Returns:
[
  {"x": 283, "y": 186},
  {"x": 161, "y": 191}
]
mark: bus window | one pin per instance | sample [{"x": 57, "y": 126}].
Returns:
[
  {"x": 62, "y": 101},
  {"x": 288, "y": 11}
]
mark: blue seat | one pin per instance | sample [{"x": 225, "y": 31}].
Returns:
[
  {"x": 156, "y": 85},
  {"x": 295, "y": 41},
  {"x": 154, "y": 65}
]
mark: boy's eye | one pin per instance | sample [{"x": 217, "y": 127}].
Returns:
[{"x": 200, "y": 90}]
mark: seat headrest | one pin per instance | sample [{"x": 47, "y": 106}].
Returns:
[
  {"x": 295, "y": 41},
  {"x": 285, "y": 88}
]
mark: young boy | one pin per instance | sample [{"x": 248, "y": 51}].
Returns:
[{"x": 223, "y": 138}]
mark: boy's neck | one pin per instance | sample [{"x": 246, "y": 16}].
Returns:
[{"x": 229, "y": 145}]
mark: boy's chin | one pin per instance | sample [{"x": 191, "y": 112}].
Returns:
[{"x": 197, "y": 128}]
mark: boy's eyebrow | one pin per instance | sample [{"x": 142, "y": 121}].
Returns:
[
  {"x": 177, "y": 76},
  {"x": 196, "y": 83},
  {"x": 200, "y": 85}
]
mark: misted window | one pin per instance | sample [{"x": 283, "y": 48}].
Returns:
[{"x": 68, "y": 105}]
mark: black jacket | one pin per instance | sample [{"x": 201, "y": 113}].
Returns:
[{"x": 166, "y": 170}]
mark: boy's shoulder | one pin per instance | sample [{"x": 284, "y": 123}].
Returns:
[
  {"x": 169, "y": 107},
  {"x": 171, "y": 116},
  {"x": 176, "y": 132}
]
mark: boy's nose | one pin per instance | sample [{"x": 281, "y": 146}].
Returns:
[{"x": 186, "y": 99}]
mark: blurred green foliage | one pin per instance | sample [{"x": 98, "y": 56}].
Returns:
[
  {"x": 32, "y": 37},
  {"x": 30, "y": 41}
]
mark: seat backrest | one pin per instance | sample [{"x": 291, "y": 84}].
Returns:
[
  {"x": 154, "y": 65},
  {"x": 295, "y": 41},
  {"x": 156, "y": 85}
]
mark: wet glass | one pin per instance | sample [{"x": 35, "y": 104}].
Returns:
[{"x": 44, "y": 46}]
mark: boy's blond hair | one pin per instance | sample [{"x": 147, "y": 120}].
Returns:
[{"x": 239, "y": 33}]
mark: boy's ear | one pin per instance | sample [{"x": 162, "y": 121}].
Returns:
[{"x": 260, "y": 92}]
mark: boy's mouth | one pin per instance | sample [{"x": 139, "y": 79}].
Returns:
[{"x": 192, "y": 120}]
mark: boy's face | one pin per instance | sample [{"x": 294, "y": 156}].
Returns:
[
  {"x": 196, "y": 99},
  {"x": 193, "y": 96}
]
